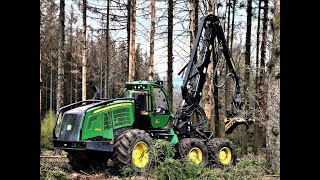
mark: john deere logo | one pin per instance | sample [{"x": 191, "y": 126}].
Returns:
[
  {"x": 69, "y": 127},
  {"x": 157, "y": 121}
]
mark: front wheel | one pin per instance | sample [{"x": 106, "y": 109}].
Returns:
[
  {"x": 132, "y": 148},
  {"x": 221, "y": 152}
]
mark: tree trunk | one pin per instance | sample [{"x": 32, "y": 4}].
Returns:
[
  {"x": 128, "y": 37},
  {"x": 76, "y": 85},
  {"x": 151, "y": 67},
  {"x": 227, "y": 88},
  {"x": 262, "y": 78},
  {"x": 84, "y": 50},
  {"x": 170, "y": 57},
  {"x": 106, "y": 84},
  {"x": 60, "y": 86},
  {"x": 219, "y": 132},
  {"x": 70, "y": 49},
  {"x": 192, "y": 22},
  {"x": 244, "y": 145},
  {"x": 132, "y": 54},
  {"x": 273, "y": 102},
  {"x": 51, "y": 86},
  {"x": 232, "y": 25},
  {"x": 257, "y": 126},
  {"x": 211, "y": 7},
  {"x": 101, "y": 52},
  {"x": 208, "y": 96}
]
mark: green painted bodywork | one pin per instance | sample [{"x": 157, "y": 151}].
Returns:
[
  {"x": 100, "y": 121},
  {"x": 175, "y": 139}
]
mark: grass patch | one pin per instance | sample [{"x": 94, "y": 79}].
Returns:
[
  {"x": 46, "y": 130},
  {"x": 54, "y": 168}
]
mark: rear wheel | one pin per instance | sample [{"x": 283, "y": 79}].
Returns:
[
  {"x": 193, "y": 149},
  {"x": 132, "y": 148},
  {"x": 221, "y": 152}
]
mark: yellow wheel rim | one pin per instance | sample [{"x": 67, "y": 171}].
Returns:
[
  {"x": 225, "y": 155},
  {"x": 195, "y": 155},
  {"x": 140, "y": 156}
]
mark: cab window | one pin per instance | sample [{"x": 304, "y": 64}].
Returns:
[{"x": 160, "y": 101}]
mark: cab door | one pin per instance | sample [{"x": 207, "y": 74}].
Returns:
[{"x": 160, "y": 114}]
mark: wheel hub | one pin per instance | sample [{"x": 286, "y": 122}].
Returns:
[
  {"x": 195, "y": 155},
  {"x": 225, "y": 155},
  {"x": 140, "y": 156}
]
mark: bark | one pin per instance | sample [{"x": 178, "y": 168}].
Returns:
[
  {"x": 208, "y": 96},
  {"x": 211, "y": 7},
  {"x": 193, "y": 21},
  {"x": 262, "y": 84},
  {"x": 106, "y": 84},
  {"x": 227, "y": 88},
  {"x": 273, "y": 102},
  {"x": 128, "y": 37},
  {"x": 70, "y": 49},
  {"x": 60, "y": 86},
  {"x": 51, "y": 86},
  {"x": 257, "y": 126},
  {"x": 219, "y": 131},
  {"x": 232, "y": 25},
  {"x": 151, "y": 67},
  {"x": 244, "y": 146},
  {"x": 84, "y": 50},
  {"x": 76, "y": 85},
  {"x": 170, "y": 57},
  {"x": 132, "y": 56}
]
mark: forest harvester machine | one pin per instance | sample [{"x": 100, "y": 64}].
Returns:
[{"x": 122, "y": 129}]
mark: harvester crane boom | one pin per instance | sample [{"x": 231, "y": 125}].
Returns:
[{"x": 196, "y": 69}]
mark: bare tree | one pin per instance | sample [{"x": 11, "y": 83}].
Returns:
[
  {"x": 262, "y": 84},
  {"x": 60, "y": 86},
  {"x": 227, "y": 87},
  {"x": 170, "y": 56},
  {"x": 151, "y": 66},
  {"x": 84, "y": 50},
  {"x": 244, "y": 145},
  {"x": 273, "y": 102},
  {"x": 132, "y": 50},
  {"x": 208, "y": 96},
  {"x": 232, "y": 24},
  {"x": 106, "y": 84},
  {"x": 193, "y": 16},
  {"x": 257, "y": 126}
]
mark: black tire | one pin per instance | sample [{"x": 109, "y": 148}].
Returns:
[
  {"x": 221, "y": 145},
  {"x": 124, "y": 147},
  {"x": 86, "y": 160},
  {"x": 189, "y": 145}
]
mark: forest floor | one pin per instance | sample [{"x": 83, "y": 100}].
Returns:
[{"x": 57, "y": 167}]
